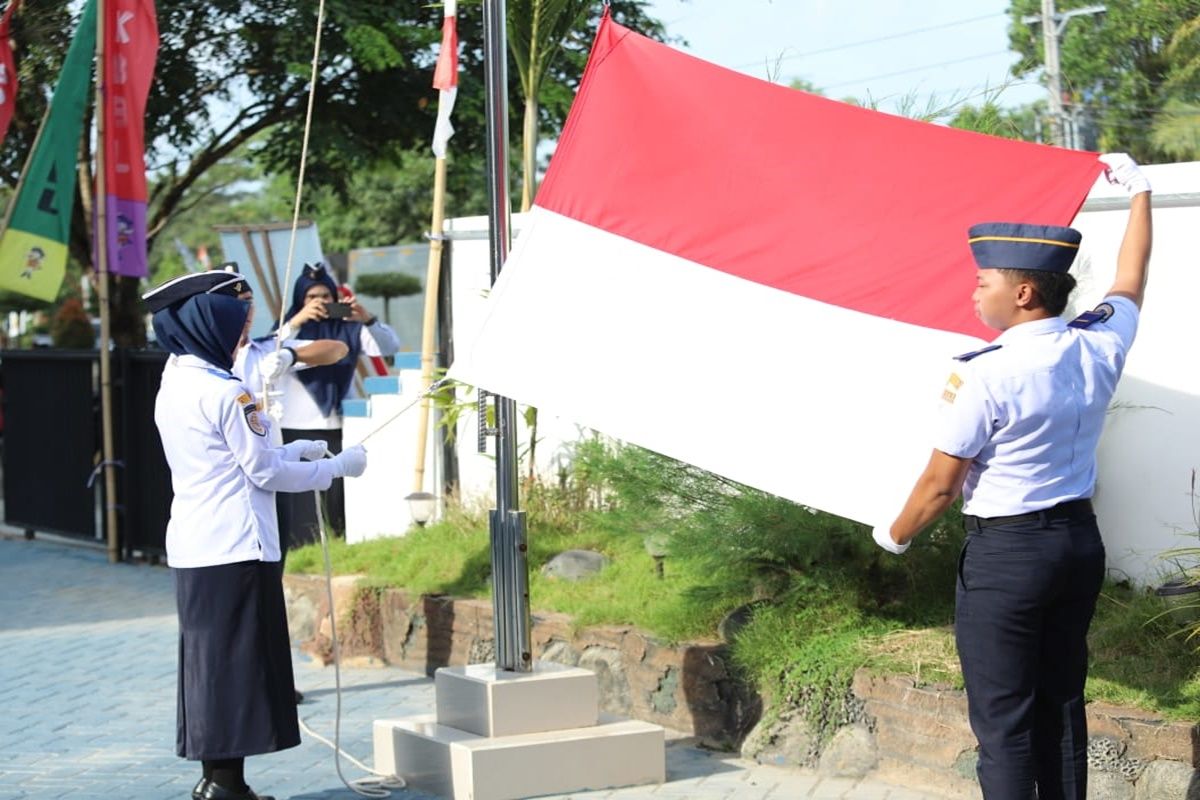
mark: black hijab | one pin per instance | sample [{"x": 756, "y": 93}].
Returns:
[{"x": 327, "y": 385}]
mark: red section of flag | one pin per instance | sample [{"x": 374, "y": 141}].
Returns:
[
  {"x": 445, "y": 75},
  {"x": 8, "y": 72},
  {"x": 838, "y": 203},
  {"x": 130, "y": 50}
]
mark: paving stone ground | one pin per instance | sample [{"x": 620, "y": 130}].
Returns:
[{"x": 87, "y": 701}]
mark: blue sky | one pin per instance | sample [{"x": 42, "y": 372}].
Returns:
[{"x": 952, "y": 49}]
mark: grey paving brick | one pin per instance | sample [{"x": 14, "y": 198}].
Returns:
[{"x": 87, "y": 699}]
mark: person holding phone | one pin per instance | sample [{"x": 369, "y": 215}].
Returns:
[{"x": 312, "y": 398}]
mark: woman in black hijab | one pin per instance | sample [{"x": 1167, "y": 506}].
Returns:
[
  {"x": 312, "y": 398},
  {"x": 236, "y": 695}
]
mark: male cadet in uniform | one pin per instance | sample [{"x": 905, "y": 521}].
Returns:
[
  {"x": 1016, "y": 435},
  {"x": 236, "y": 696}
]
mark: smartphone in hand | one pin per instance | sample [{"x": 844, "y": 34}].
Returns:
[{"x": 338, "y": 310}]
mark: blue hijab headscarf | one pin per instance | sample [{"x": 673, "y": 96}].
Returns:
[
  {"x": 327, "y": 385},
  {"x": 208, "y": 326}
]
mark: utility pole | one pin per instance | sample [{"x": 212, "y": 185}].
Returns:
[{"x": 1053, "y": 25}]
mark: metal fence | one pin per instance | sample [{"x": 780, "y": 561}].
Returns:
[
  {"x": 51, "y": 440},
  {"x": 52, "y": 446}
]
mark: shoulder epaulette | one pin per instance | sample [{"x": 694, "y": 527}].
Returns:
[
  {"x": 1089, "y": 318},
  {"x": 977, "y": 353}
]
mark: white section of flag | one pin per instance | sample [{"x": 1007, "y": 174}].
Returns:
[
  {"x": 823, "y": 405},
  {"x": 442, "y": 129}
]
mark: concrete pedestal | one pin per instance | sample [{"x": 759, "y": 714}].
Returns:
[{"x": 503, "y": 736}]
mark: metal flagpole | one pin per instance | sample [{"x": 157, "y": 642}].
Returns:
[{"x": 510, "y": 569}]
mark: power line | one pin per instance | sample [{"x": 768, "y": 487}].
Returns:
[
  {"x": 876, "y": 40},
  {"x": 911, "y": 70}
]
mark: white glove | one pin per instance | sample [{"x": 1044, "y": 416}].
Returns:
[
  {"x": 274, "y": 408},
  {"x": 1121, "y": 170},
  {"x": 351, "y": 462},
  {"x": 276, "y": 362},
  {"x": 306, "y": 449},
  {"x": 883, "y": 537}
]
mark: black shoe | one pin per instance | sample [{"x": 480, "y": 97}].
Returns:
[
  {"x": 215, "y": 791},
  {"x": 299, "y": 697},
  {"x": 198, "y": 792}
]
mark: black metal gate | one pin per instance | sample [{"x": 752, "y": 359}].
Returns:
[
  {"x": 145, "y": 479},
  {"x": 51, "y": 440},
  {"x": 52, "y": 446}
]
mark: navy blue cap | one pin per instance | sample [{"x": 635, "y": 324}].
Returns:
[
  {"x": 183, "y": 287},
  {"x": 1016, "y": 245}
]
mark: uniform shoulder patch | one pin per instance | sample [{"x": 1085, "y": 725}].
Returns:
[
  {"x": 1100, "y": 313},
  {"x": 953, "y": 384},
  {"x": 250, "y": 412},
  {"x": 976, "y": 353}
]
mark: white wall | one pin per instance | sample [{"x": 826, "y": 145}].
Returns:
[{"x": 1151, "y": 441}]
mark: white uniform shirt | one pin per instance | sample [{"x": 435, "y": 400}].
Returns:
[
  {"x": 300, "y": 411},
  {"x": 224, "y": 471},
  {"x": 1030, "y": 413},
  {"x": 246, "y": 368}
]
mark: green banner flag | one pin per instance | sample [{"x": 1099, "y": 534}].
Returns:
[{"x": 33, "y": 249}]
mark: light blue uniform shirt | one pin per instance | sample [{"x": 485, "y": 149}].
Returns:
[
  {"x": 224, "y": 469},
  {"x": 1029, "y": 414}
]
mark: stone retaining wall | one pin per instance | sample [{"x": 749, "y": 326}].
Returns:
[
  {"x": 688, "y": 687},
  {"x": 914, "y": 735},
  {"x": 923, "y": 736}
]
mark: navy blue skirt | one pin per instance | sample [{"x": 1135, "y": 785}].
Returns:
[{"x": 236, "y": 691}]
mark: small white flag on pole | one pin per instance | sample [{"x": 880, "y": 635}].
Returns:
[{"x": 445, "y": 79}]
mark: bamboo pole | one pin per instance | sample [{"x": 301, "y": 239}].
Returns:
[
  {"x": 100, "y": 240},
  {"x": 429, "y": 329},
  {"x": 12, "y": 200}
]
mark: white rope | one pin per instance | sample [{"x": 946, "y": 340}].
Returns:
[
  {"x": 379, "y": 784},
  {"x": 285, "y": 287},
  {"x": 312, "y": 92},
  {"x": 433, "y": 387}
]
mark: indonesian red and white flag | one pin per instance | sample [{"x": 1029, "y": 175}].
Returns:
[
  {"x": 445, "y": 79},
  {"x": 764, "y": 283},
  {"x": 8, "y": 72}
]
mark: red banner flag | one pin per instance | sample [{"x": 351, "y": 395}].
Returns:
[
  {"x": 130, "y": 50},
  {"x": 8, "y": 73}
]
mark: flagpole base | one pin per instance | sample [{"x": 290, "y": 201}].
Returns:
[{"x": 500, "y": 735}]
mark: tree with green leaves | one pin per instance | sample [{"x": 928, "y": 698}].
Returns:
[
  {"x": 232, "y": 83},
  {"x": 1123, "y": 67},
  {"x": 536, "y": 31},
  {"x": 387, "y": 285}
]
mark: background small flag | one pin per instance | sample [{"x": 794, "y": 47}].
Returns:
[{"x": 445, "y": 79}]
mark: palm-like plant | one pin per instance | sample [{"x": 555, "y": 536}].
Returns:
[{"x": 536, "y": 31}]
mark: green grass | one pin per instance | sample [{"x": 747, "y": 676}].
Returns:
[
  {"x": 827, "y": 602},
  {"x": 453, "y": 558}
]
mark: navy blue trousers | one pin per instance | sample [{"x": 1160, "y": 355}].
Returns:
[{"x": 1026, "y": 595}]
